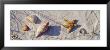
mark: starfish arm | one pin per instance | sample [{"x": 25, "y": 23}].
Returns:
[{"x": 69, "y": 29}]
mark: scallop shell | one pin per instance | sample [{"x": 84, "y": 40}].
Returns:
[{"x": 42, "y": 28}]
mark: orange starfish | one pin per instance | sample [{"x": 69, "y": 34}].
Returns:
[{"x": 69, "y": 24}]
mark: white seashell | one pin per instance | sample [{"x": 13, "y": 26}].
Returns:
[{"x": 42, "y": 28}]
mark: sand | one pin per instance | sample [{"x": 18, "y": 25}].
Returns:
[{"x": 88, "y": 22}]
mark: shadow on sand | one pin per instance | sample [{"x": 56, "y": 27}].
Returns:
[
  {"x": 37, "y": 20},
  {"x": 77, "y": 26},
  {"x": 52, "y": 31}
]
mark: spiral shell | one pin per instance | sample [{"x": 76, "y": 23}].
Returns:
[
  {"x": 42, "y": 28},
  {"x": 31, "y": 18}
]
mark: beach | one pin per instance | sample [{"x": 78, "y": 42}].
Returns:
[{"x": 88, "y": 24}]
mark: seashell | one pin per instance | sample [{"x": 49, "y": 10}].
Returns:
[
  {"x": 42, "y": 28},
  {"x": 69, "y": 24},
  {"x": 31, "y": 18},
  {"x": 25, "y": 27}
]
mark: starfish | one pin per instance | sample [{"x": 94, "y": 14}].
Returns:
[{"x": 69, "y": 24}]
